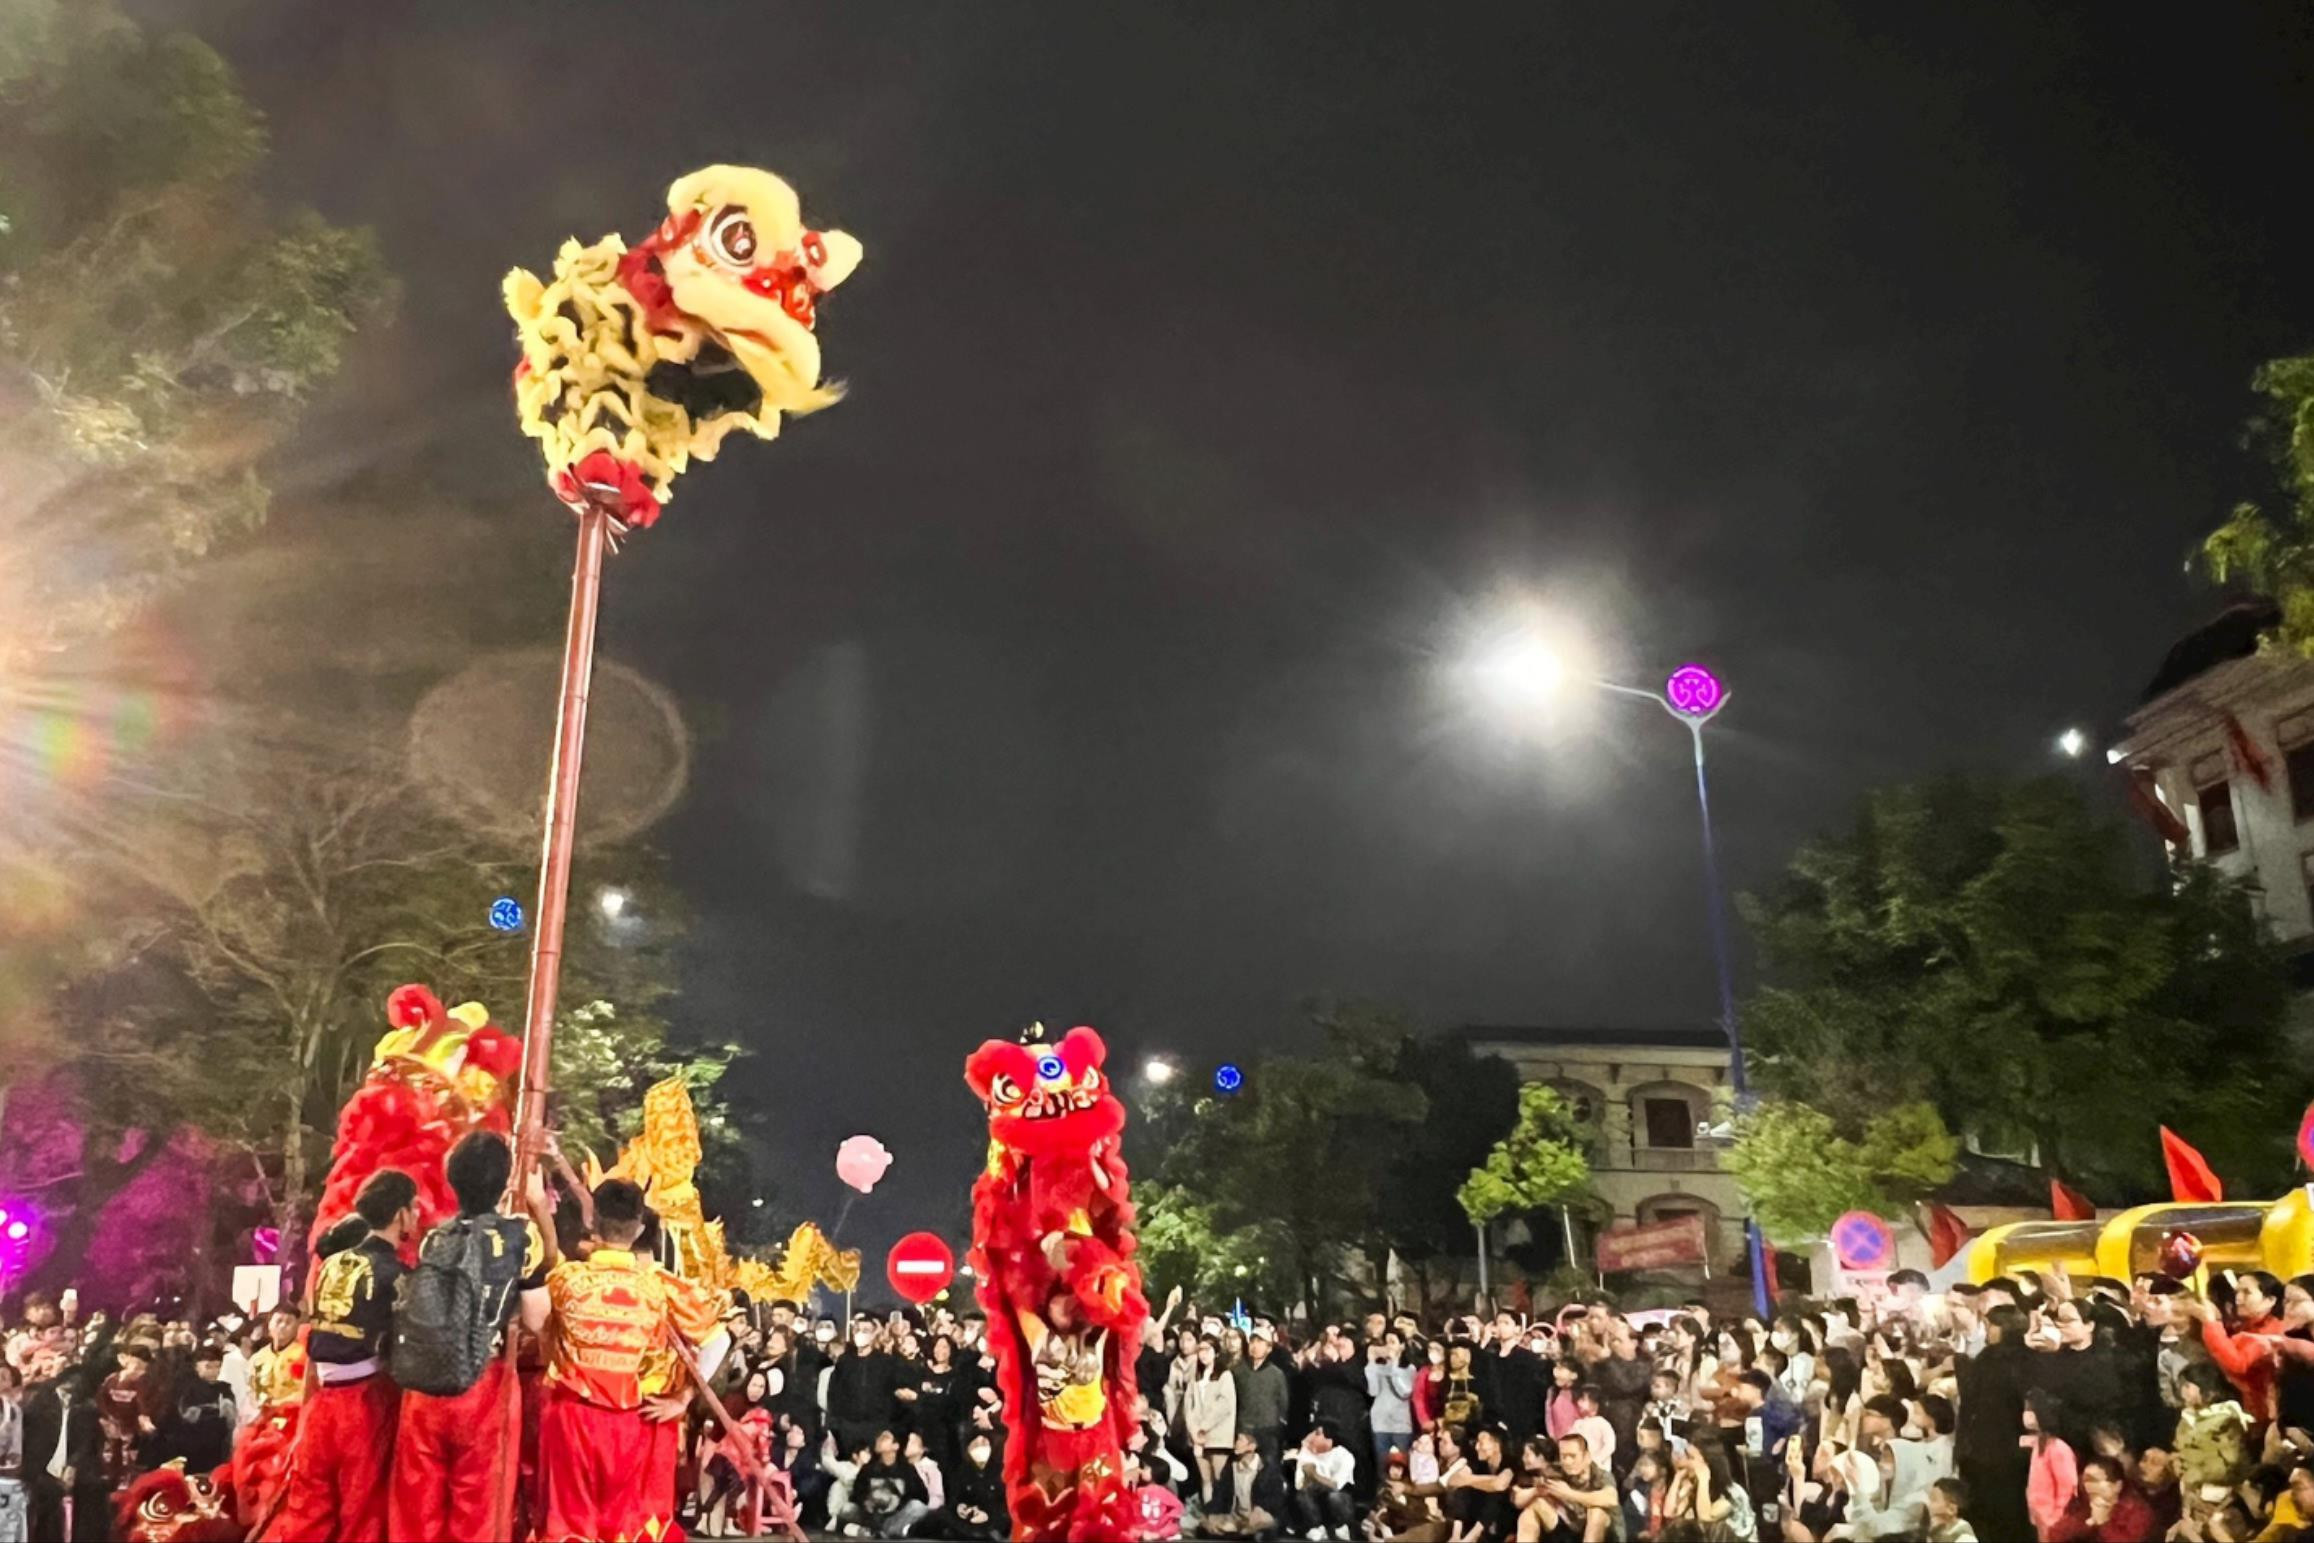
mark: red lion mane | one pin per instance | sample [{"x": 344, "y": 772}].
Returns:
[
  {"x": 1055, "y": 1189},
  {"x": 169, "y": 1505}
]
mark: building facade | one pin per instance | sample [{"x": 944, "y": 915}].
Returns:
[
  {"x": 2224, "y": 742},
  {"x": 1655, "y": 1101}
]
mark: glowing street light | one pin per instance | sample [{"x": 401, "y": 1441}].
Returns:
[
  {"x": 613, "y": 903},
  {"x": 2071, "y": 743},
  {"x": 1521, "y": 668},
  {"x": 1157, "y": 1071},
  {"x": 1521, "y": 665}
]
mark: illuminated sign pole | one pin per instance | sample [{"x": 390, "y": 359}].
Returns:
[{"x": 1694, "y": 696}]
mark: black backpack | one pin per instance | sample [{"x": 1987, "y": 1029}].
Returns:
[{"x": 450, "y": 1308}]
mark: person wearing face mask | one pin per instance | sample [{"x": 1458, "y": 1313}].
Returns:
[
  {"x": 1790, "y": 1336},
  {"x": 1512, "y": 1379},
  {"x": 857, "y": 1390}
]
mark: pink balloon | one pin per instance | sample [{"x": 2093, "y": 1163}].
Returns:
[{"x": 861, "y": 1161}]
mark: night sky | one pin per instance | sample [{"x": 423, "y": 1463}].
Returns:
[{"x": 1211, "y": 366}]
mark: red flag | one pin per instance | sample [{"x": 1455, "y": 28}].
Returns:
[
  {"x": 2068, "y": 1204},
  {"x": 2153, "y": 811},
  {"x": 2247, "y": 754},
  {"x": 1947, "y": 1234},
  {"x": 2190, "y": 1179}
]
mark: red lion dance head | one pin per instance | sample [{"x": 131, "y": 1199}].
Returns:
[
  {"x": 439, "y": 1073},
  {"x": 1052, "y": 1247},
  {"x": 170, "y": 1505}
]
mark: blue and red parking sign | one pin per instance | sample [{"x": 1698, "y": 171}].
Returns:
[{"x": 1862, "y": 1241}]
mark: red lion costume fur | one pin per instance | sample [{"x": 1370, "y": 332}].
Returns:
[
  {"x": 438, "y": 1074},
  {"x": 170, "y": 1505},
  {"x": 1052, "y": 1247}
]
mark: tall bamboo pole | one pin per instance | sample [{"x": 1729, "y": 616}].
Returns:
[{"x": 562, "y": 785}]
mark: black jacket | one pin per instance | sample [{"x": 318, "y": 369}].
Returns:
[
  {"x": 860, "y": 1390},
  {"x": 982, "y": 1489},
  {"x": 84, "y": 1436},
  {"x": 1338, "y": 1397},
  {"x": 1992, "y": 1405},
  {"x": 200, "y": 1428},
  {"x": 2093, "y": 1383},
  {"x": 1514, "y": 1389}
]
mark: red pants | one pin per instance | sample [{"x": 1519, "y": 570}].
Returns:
[
  {"x": 450, "y": 1464},
  {"x": 598, "y": 1465},
  {"x": 337, "y": 1478},
  {"x": 662, "y": 1481}
]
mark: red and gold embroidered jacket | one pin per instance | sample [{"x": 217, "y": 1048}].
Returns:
[{"x": 612, "y": 1313}]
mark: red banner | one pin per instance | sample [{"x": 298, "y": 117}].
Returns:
[{"x": 1678, "y": 1241}]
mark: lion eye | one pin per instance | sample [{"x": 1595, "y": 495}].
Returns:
[
  {"x": 731, "y": 236},
  {"x": 1004, "y": 1090},
  {"x": 1090, "y": 1080}
]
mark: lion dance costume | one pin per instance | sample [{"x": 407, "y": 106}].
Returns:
[
  {"x": 635, "y": 362},
  {"x": 1052, "y": 1246},
  {"x": 170, "y": 1505},
  {"x": 439, "y": 1073}
]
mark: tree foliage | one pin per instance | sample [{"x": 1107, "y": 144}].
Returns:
[
  {"x": 1800, "y": 1174},
  {"x": 158, "y": 322},
  {"x": 1474, "y": 1102},
  {"x": 2270, "y": 548},
  {"x": 1540, "y": 1163},
  {"x": 1990, "y": 949},
  {"x": 1288, "y": 1169},
  {"x": 1181, "y": 1244}
]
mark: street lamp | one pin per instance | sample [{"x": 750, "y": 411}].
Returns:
[
  {"x": 613, "y": 903},
  {"x": 1693, "y": 696},
  {"x": 1157, "y": 1071},
  {"x": 2071, "y": 743}
]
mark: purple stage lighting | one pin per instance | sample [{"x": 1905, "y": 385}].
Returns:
[{"x": 1694, "y": 692}]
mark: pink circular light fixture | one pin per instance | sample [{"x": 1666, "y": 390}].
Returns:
[{"x": 1694, "y": 692}]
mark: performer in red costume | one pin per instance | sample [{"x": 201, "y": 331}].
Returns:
[
  {"x": 345, "y": 1438},
  {"x": 612, "y": 1315},
  {"x": 260, "y": 1465},
  {"x": 450, "y": 1451},
  {"x": 1052, "y": 1246}
]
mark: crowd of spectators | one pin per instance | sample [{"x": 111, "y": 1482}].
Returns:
[
  {"x": 2043, "y": 1408},
  {"x": 86, "y": 1405}
]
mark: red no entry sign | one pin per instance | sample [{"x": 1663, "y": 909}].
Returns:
[
  {"x": 920, "y": 1267},
  {"x": 1862, "y": 1241}
]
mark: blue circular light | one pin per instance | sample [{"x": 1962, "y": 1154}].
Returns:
[
  {"x": 506, "y": 914},
  {"x": 1227, "y": 1078},
  {"x": 1049, "y": 1068}
]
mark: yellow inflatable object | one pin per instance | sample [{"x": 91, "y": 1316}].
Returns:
[
  {"x": 2276, "y": 1236},
  {"x": 636, "y": 362}
]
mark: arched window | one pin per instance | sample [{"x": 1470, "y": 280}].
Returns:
[
  {"x": 1670, "y": 1207},
  {"x": 1586, "y": 1102},
  {"x": 1664, "y": 1115}
]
